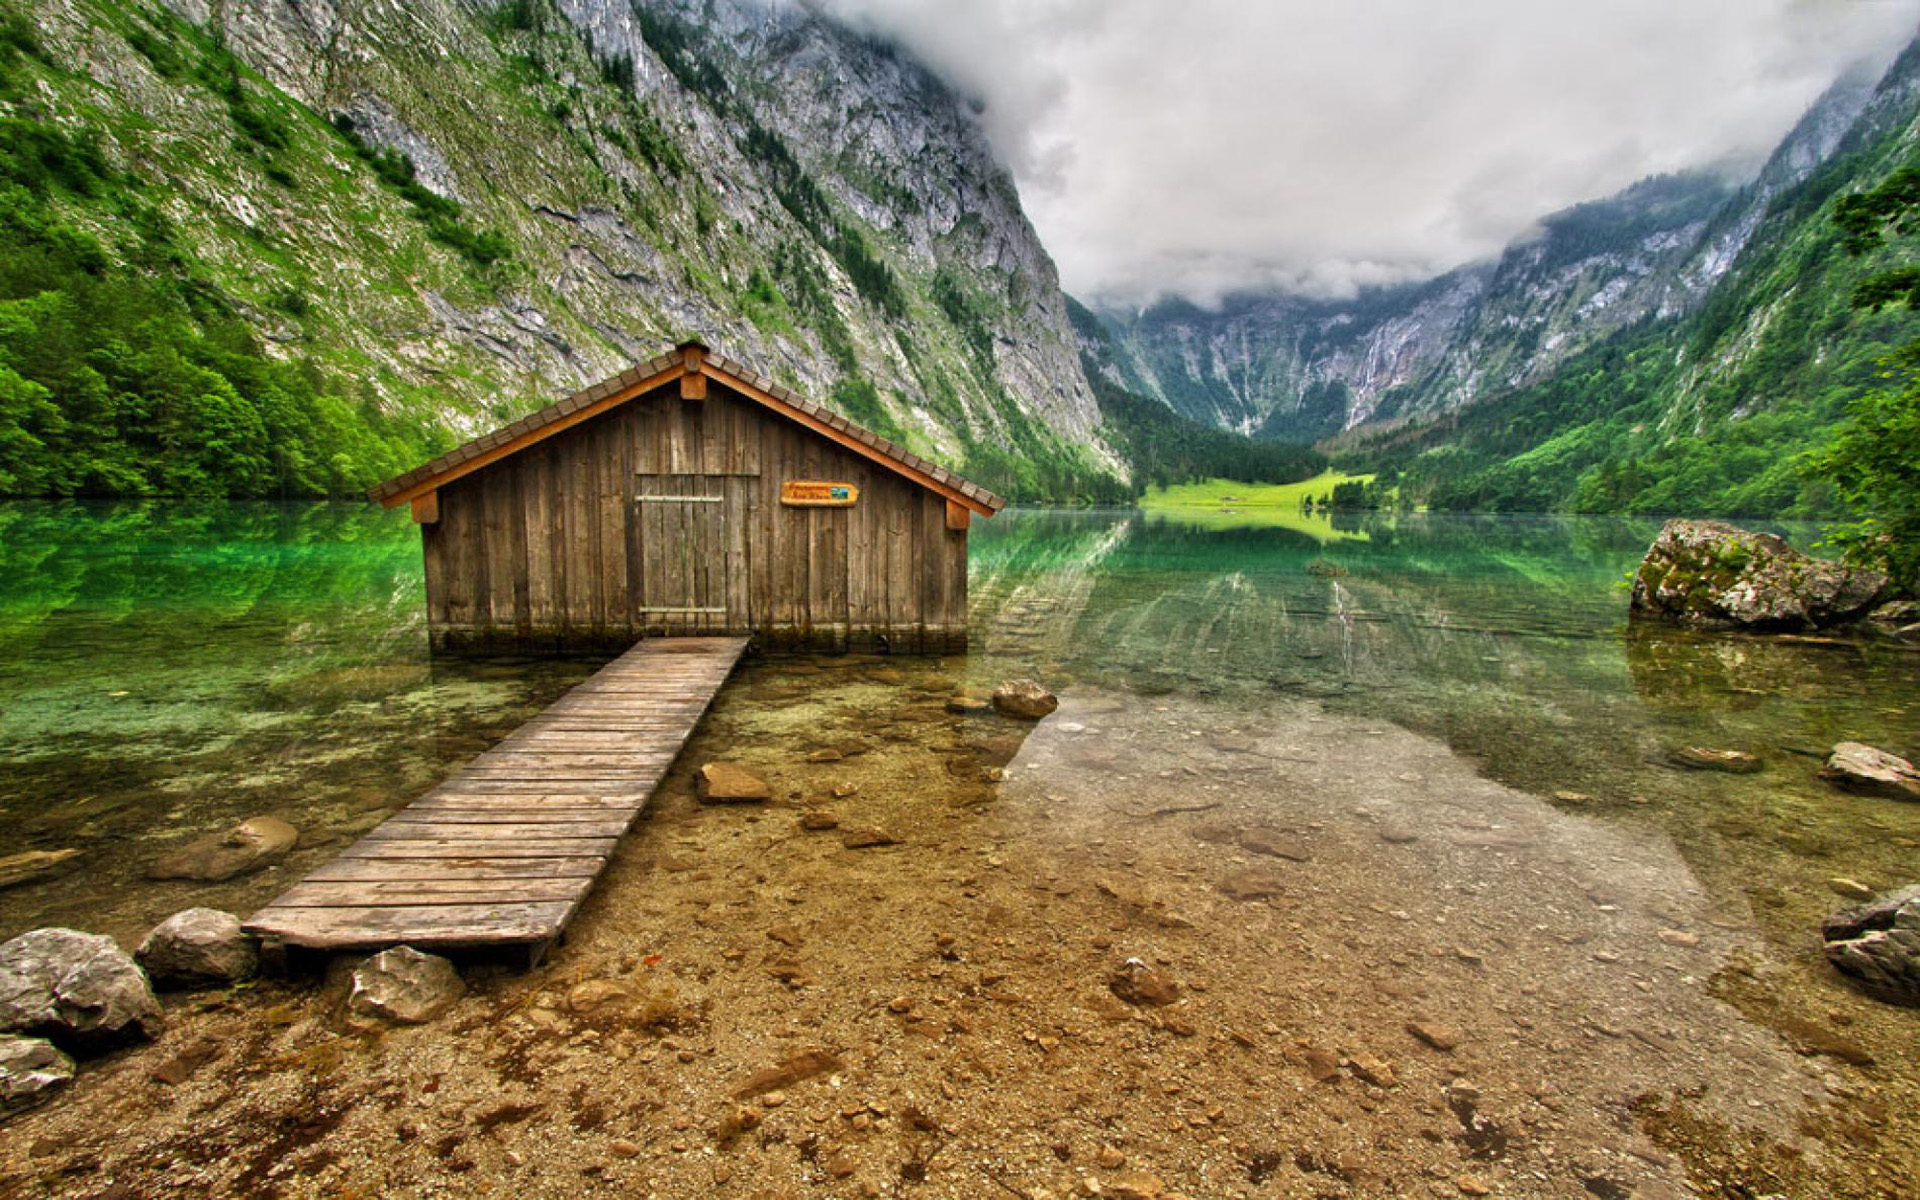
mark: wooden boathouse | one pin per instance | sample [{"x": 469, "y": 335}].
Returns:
[{"x": 690, "y": 496}]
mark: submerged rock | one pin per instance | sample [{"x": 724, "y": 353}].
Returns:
[
  {"x": 1253, "y": 884},
  {"x": 252, "y": 844},
  {"x": 31, "y": 1071},
  {"x": 1899, "y": 615},
  {"x": 405, "y": 986},
  {"x": 80, "y": 989},
  {"x": 1701, "y": 758},
  {"x": 1025, "y": 699},
  {"x": 731, "y": 783},
  {"x": 1858, "y": 767},
  {"x": 198, "y": 947},
  {"x": 1877, "y": 945},
  {"x": 30, "y": 865},
  {"x": 1137, "y": 983},
  {"x": 1709, "y": 573},
  {"x": 1261, "y": 839}
]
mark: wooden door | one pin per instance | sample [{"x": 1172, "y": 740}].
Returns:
[{"x": 681, "y": 522}]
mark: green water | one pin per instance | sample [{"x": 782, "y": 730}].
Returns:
[{"x": 166, "y": 670}]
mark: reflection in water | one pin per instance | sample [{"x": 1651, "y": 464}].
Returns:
[{"x": 166, "y": 670}]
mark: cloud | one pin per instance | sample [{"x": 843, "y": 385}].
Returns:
[{"x": 1207, "y": 146}]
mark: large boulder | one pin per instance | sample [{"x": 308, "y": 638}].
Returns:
[
  {"x": 79, "y": 989},
  {"x": 31, "y": 1070},
  {"x": 198, "y": 947},
  {"x": 1025, "y": 699},
  {"x": 1709, "y": 573},
  {"x": 1858, "y": 767},
  {"x": 1877, "y": 945},
  {"x": 252, "y": 844},
  {"x": 405, "y": 986}
]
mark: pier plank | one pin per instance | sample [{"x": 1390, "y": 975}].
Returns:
[{"x": 504, "y": 852}]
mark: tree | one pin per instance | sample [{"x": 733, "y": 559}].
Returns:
[{"x": 1873, "y": 459}]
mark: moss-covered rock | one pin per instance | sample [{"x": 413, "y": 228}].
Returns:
[{"x": 1709, "y": 573}]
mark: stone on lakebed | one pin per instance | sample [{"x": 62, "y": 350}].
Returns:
[
  {"x": 31, "y": 1071},
  {"x": 198, "y": 947},
  {"x": 1025, "y": 699},
  {"x": 731, "y": 783},
  {"x": 1710, "y": 573},
  {"x": 1137, "y": 983},
  {"x": 252, "y": 844},
  {"x": 405, "y": 986},
  {"x": 1701, "y": 758},
  {"x": 1877, "y": 945},
  {"x": 79, "y": 989},
  {"x": 29, "y": 865},
  {"x": 1858, "y": 767}
]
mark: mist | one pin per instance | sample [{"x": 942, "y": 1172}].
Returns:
[{"x": 1213, "y": 146}]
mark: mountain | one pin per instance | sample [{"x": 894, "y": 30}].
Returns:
[
  {"x": 1299, "y": 368},
  {"x": 1709, "y": 410},
  {"x": 286, "y": 248}
]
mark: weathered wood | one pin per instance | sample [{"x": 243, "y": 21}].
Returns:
[
  {"x": 426, "y": 508},
  {"x": 665, "y": 518},
  {"x": 441, "y": 823},
  {"x": 440, "y": 870},
  {"x": 844, "y": 439},
  {"x": 430, "y": 847},
  {"x": 594, "y": 820},
  {"x": 439, "y": 926},
  {"x": 433, "y": 545},
  {"x": 554, "y": 428},
  {"x": 504, "y": 852},
  {"x": 540, "y": 536},
  {"x": 432, "y": 892}
]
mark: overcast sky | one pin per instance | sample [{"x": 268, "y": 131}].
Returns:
[{"x": 1202, "y": 146}]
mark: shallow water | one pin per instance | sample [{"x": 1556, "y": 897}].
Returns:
[
  {"x": 167, "y": 669},
  {"x": 1359, "y": 692}
]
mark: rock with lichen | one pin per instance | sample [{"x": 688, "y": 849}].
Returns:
[
  {"x": 1714, "y": 575},
  {"x": 1877, "y": 945}
]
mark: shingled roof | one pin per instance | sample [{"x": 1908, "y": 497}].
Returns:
[{"x": 688, "y": 358}]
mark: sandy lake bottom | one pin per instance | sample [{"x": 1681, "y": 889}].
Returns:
[{"x": 1383, "y": 814}]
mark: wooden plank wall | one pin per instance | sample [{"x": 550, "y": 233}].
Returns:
[{"x": 543, "y": 551}]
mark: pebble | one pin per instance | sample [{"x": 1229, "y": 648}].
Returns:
[
  {"x": 1137, "y": 983},
  {"x": 1323, "y": 1065},
  {"x": 1472, "y": 1185},
  {"x": 1849, "y": 889},
  {"x": 1679, "y": 937},
  {"x": 1438, "y": 1036},
  {"x": 1372, "y": 1070}
]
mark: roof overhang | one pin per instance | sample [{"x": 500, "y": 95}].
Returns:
[{"x": 693, "y": 363}]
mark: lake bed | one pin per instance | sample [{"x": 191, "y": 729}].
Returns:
[{"x": 1342, "y": 784}]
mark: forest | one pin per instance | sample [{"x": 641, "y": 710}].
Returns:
[{"x": 124, "y": 372}]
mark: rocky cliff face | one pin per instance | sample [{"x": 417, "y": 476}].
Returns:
[
  {"x": 1289, "y": 367},
  {"x": 805, "y": 198}
]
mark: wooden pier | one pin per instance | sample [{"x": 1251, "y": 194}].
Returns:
[{"x": 502, "y": 854}]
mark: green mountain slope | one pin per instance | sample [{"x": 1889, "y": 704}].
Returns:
[
  {"x": 1709, "y": 413},
  {"x": 277, "y": 249}
]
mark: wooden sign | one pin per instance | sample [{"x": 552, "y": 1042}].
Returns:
[{"x": 818, "y": 493}]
